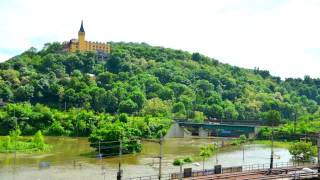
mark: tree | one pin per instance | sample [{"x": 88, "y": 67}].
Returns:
[
  {"x": 156, "y": 107},
  {"x": 104, "y": 101},
  {"x": 104, "y": 79},
  {"x": 5, "y": 92},
  {"x": 214, "y": 111},
  {"x": 196, "y": 56},
  {"x": 128, "y": 106},
  {"x": 179, "y": 108},
  {"x": 70, "y": 96},
  {"x": 206, "y": 152},
  {"x": 167, "y": 94},
  {"x": 204, "y": 87},
  {"x": 302, "y": 151},
  {"x": 215, "y": 98},
  {"x": 56, "y": 129},
  {"x": 230, "y": 111},
  {"x": 114, "y": 63},
  {"x": 138, "y": 97},
  {"x": 52, "y": 48},
  {"x": 38, "y": 140},
  {"x": 24, "y": 93},
  {"x": 111, "y": 134},
  {"x": 198, "y": 116},
  {"x": 123, "y": 117},
  {"x": 273, "y": 118}
]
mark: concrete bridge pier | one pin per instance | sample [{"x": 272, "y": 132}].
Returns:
[
  {"x": 175, "y": 131},
  {"x": 203, "y": 132}
]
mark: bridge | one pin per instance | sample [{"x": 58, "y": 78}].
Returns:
[{"x": 182, "y": 129}]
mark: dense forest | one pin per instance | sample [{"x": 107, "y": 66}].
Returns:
[{"x": 64, "y": 93}]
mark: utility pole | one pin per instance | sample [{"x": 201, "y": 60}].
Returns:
[
  {"x": 318, "y": 144},
  {"x": 181, "y": 176},
  {"x": 243, "y": 153},
  {"x": 217, "y": 146},
  {"x": 271, "y": 158},
  {"x": 295, "y": 121},
  {"x": 99, "y": 149},
  {"x": 160, "y": 157},
  {"x": 119, "y": 175}
]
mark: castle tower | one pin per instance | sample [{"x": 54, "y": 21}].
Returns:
[
  {"x": 82, "y": 45},
  {"x": 81, "y": 38}
]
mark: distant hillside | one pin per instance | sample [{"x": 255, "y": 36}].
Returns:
[{"x": 140, "y": 79}]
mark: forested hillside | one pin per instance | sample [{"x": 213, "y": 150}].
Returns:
[{"x": 141, "y": 80}]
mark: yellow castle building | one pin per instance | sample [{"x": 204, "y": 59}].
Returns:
[{"x": 82, "y": 45}]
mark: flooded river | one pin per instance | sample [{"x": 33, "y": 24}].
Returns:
[{"x": 69, "y": 160}]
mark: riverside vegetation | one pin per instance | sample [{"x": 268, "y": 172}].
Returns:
[
  {"x": 137, "y": 89},
  {"x": 14, "y": 143}
]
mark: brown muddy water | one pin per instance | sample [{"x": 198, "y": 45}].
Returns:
[{"x": 69, "y": 160}]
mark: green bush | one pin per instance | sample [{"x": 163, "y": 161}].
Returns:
[
  {"x": 123, "y": 117},
  {"x": 111, "y": 135},
  {"x": 188, "y": 160},
  {"x": 242, "y": 138},
  {"x": 38, "y": 140},
  {"x": 178, "y": 162},
  {"x": 302, "y": 151},
  {"x": 6, "y": 144},
  {"x": 12, "y": 143}
]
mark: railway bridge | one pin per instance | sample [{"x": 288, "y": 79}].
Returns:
[{"x": 182, "y": 129}]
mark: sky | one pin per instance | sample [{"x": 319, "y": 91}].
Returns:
[{"x": 282, "y": 36}]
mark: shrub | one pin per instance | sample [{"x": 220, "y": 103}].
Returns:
[
  {"x": 178, "y": 162},
  {"x": 302, "y": 151},
  {"x": 15, "y": 134},
  {"x": 188, "y": 159},
  {"x": 38, "y": 140},
  {"x": 123, "y": 117},
  {"x": 6, "y": 142}
]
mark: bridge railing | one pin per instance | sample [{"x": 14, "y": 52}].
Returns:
[
  {"x": 225, "y": 170},
  {"x": 257, "y": 167}
]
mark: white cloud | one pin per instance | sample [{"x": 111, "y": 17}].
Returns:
[{"x": 272, "y": 34}]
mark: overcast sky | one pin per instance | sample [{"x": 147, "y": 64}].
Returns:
[{"x": 281, "y": 36}]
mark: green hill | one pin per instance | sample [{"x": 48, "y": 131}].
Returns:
[{"x": 140, "y": 80}]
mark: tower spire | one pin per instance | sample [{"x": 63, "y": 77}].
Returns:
[{"x": 81, "y": 27}]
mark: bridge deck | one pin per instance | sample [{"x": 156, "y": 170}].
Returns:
[{"x": 222, "y": 128}]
